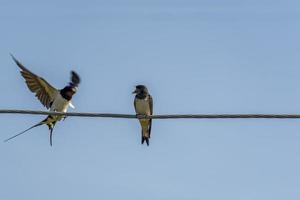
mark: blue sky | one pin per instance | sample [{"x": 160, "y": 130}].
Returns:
[{"x": 195, "y": 57}]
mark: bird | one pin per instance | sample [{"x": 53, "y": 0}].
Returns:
[
  {"x": 53, "y": 99},
  {"x": 143, "y": 104}
]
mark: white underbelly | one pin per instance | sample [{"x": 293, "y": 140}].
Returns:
[
  {"x": 60, "y": 104},
  {"x": 142, "y": 107}
]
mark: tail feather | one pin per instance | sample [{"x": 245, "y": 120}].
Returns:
[
  {"x": 51, "y": 130},
  {"x": 39, "y": 124},
  {"x": 51, "y": 127},
  {"x": 145, "y": 139}
]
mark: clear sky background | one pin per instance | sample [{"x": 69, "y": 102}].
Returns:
[{"x": 195, "y": 56}]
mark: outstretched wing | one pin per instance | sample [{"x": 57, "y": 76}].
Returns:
[
  {"x": 151, "y": 112},
  {"x": 42, "y": 89},
  {"x": 75, "y": 79}
]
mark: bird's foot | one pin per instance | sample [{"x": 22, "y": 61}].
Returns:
[{"x": 140, "y": 116}]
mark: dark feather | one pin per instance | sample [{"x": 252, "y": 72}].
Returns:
[
  {"x": 151, "y": 112},
  {"x": 42, "y": 89},
  {"x": 75, "y": 79},
  {"x": 39, "y": 124}
]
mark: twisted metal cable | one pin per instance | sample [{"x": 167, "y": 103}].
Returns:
[{"x": 174, "y": 116}]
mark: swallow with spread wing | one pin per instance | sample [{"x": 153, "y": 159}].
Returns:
[
  {"x": 143, "y": 104},
  {"x": 52, "y": 98}
]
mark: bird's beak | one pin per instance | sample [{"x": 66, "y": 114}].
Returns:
[{"x": 134, "y": 92}]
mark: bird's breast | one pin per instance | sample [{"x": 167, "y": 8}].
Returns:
[
  {"x": 60, "y": 104},
  {"x": 142, "y": 106}
]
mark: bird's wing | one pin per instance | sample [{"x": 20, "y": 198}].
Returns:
[
  {"x": 135, "y": 104},
  {"x": 75, "y": 79},
  {"x": 42, "y": 89},
  {"x": 151, "y": 112}
]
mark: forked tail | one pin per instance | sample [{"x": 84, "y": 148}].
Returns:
[
  {"x": 39, "y": 124},
  {"x": 145, "y": 138}
]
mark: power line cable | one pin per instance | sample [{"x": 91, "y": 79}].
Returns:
[{"x": 167, "y": 116}]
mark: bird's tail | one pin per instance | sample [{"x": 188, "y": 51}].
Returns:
[
  {"x": 51, "y": 127},
  {"x": 145, "y": 138},
  {"x": 39, "y": 124}
]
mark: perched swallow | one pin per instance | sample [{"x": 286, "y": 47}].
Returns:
[
  {"x": 143, "y": 104},
  {"x": 52, "y": 98}
]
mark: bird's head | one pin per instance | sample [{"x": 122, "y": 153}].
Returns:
[
  {"x": 68, "y": 92},
  {"x": 71, "y": 89},
  {"x": 140, "y": 90}
]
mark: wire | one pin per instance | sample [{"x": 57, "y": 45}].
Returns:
[{"x": 175, "y": 116}]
